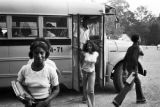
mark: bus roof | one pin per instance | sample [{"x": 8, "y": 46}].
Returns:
[{"x": 50, "y": 7}]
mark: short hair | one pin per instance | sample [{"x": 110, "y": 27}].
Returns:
[
  {"x": 135, "y": 38},
  {"x": 84, "y": 24},
  {"x": 85, "y": 21},
  {"x": 49, "y": 25},
  {"x": 94, "y": 46},
  {"x": 40, "y": 42}
]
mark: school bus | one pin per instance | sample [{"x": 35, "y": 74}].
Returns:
[{"x": 21, "y": 21}]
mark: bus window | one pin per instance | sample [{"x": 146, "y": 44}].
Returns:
[
  {"x": 110, "y": 29},
  {"x": 55, "y": 27},
  {"x": 94, "y": 25},
  {"x": 94, "y": 29},
  {"x": 3, "y": 27},
  {"x": 24, "y": 26}
]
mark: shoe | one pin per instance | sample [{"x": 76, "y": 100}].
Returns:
[
  {"x": 84, "y": 100},
  {"x": 141, "y": 101},
  {"x": 115, "y": 103}
]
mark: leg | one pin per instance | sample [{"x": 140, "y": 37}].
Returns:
[
  {"x": 121, "y": 96},
  {"x": 90, "y": 92},
  {"x": 84, "y": 81},
  {"x": 139, "y": 93}
]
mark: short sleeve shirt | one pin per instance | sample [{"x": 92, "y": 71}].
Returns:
[
  {"x": 89, "y": 61},
  {"x": 84, "y": 37},
  {"x": 39, "y": 82}
]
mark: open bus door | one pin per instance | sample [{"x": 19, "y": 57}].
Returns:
[
  {"x": 96, "y": 26},
  {"x": 98, "y": 38},
  {"x": 75, "y": 53}
]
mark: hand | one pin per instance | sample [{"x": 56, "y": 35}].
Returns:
[
  {"x": 42, "y": 104},
  {"x": 145, "y": 72},
  {"x": 29, "y": 102},
  {"x": 134, "y": 74}
]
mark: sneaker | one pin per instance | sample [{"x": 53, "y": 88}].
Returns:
[
  {"x": 141, "y": 101},
  {"x": 115, "y": 103},
  {"x": 84, "y": 100}
]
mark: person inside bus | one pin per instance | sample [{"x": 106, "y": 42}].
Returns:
[
  {"x": 50, "y": 31},
  {"x": 90, "y": 54},
  {"x": 131, "y": 65},
  {"x": 1, "y": 33},
  {"x": 40, "y": 79},
  {"x": 84, "y": 32},
  {"x": 26, "y": 31}
]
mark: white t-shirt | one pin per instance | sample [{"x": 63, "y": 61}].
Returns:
[
  {"x": 47, "y": 61},
  {"x": 50, "y": 34},
  {"x": 84, "y": 36},
  {"x": 38, "y": 82},
  {"x": 89, "y": 61}
]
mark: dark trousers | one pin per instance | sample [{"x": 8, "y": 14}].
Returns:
[
  {"x": 139, "y": 94},
  {"x": 37, "y": 101}
]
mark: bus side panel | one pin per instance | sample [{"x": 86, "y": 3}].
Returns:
[
  {"x": 3, "y": 51},
  {"x": 4, "y": 65},
  {"x": 62, "y": 56},
  {"x": 18, "y": 51},
  {"x": 11, "y": 60},
  {"x": 18, "y": 57},
  {"x": 114, "y": 58}
]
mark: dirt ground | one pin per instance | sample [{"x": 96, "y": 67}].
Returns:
[{"x": 70, "y": 98}]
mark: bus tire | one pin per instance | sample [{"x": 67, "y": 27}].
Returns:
[{"x": 118, "y": 77}]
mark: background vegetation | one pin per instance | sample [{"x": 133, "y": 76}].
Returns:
[{"x": 141, "y": 21}]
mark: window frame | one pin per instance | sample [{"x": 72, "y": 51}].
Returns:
[
  {"x": 61, "y": 28},
  {"x": 20, "y": 27},
  {"x": 4, "y": 27},
  {"x": 40, "y": 26}
]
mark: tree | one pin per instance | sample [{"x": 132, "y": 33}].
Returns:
[
  {"x": 142, "y": 14},
  {"x": 121, "y": 7},
  {"x": 141, "y": 21}
]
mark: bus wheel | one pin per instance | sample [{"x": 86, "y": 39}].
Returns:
[{"x": 119, "y": 77}]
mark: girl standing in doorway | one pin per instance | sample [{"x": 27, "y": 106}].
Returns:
[{"x": 88, "y": 69}]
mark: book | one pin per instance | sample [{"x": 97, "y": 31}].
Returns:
[
  {"x": 20, "y": 91},
  {"x": 130, "y": 78}
]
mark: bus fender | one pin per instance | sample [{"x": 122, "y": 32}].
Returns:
[
  {"x": 118, "y": 76},
  {"x": 116, "y": 65},
  {"x": 141, "y": 69}
]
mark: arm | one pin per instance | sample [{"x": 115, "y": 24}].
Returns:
[
  {"x": 28, "y": 100},
  {"x": 58, "y": 72},
  {"x": 54, "y": 93},
  {"x": 54, "y": 88},
  {"x": 141, "y": 51}
]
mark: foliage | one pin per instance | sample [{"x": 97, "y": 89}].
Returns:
[{"x": 141, "y": 21}]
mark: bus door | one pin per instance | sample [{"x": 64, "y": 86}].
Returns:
[
  {"x": 96, "y": 27},
  {"x": 109, "y": 27},
  {"x": 75, "y": 53}
]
